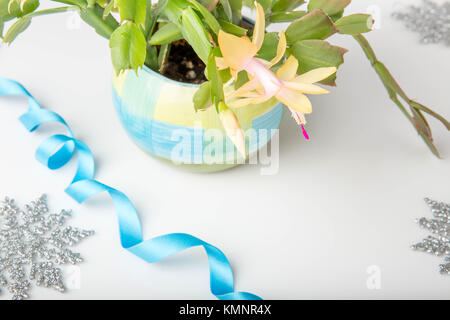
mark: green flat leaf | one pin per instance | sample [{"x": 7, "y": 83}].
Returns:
[
  {"x": 4, "y": 13},
  {"x": 132, "y": 10},
  {"x": 94, "y": 18},
  {"x": 149, "y": 23},
  {"x": 128, "y": 47},
  {"x": 312, "y": 54},
  {"x": 194, "y": 32},
  {"x": 269, "y": 47},
  {"x": 153, "y": 13},
  {"x": 227, "y": 8},
  {"x": 336, "y": 16},
  {"x": 225, "y": 75},
  {"x": 286, "y": 16},
  {"x": 14, "y": 8},
  {"x": 174, "y": 9},
  {"x": 209, "y": 4},
  {"x": 108, "y": 9},
  {"x": 202, "y": 97},
  {"x": 355, "y": 24},
  {"x": 160, "y": 6},
  {"x": 423, "y": 108},
  {"x": 19, "y": 8},
  {"x": 330, "y": 7},
  {"x": 219, "y": 13},
  {"x": 236, "y": 8},
  {"x": 216, "y": 52},
  {"x": 242, "y": 79},
  {"x": 28, "y": 6},
  {"x": 151, "y": 58},
  {"x": 168, "y": 33},
  {"x": 286, "y": 5},
  {"x": 163, "y": 55},
  {"x": 232, "y": 28},
  {"x": 314, "y": 25},
  {"x": 217, "y": 94},
  {"x": 17, "y": 28},
  {"x": 208, "y": 16}
]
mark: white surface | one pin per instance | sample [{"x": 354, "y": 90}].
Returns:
[{"x": 341, "y": 202}]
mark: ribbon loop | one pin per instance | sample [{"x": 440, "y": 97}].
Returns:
[{"x": 57, "y": 150}]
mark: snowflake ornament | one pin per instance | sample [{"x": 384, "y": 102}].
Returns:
[
  {"x": 429, "y": 19},
  {"x": 437, "y": 244},
  {"x": 33, "y": 246}
]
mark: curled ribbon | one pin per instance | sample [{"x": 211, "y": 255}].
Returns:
[{"x": 55, "y": 151}]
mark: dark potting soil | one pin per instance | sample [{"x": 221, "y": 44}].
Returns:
[{"x": 183, "y": 64}]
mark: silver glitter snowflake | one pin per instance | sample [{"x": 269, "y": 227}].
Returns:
[
  {"x": 33, "y": 244},
  {"x": 437, "y": 244},
  {"x": 429, "y": 19}
]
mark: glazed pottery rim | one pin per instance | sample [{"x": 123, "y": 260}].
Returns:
[{"x": 163, "y": 77}]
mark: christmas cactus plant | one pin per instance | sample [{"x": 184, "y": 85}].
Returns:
[{"x": 241, "y": 62}]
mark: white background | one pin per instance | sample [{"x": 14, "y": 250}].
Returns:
[{"x": 340, "y": 203}]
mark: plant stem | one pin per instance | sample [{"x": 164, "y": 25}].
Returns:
[
  {"x": 163, "y": 57},
  {"x": 416, "y": 117},
  {"x": 94, "y": 17},
  {"x": 431, "y": 113},
  {"x": 79, "y": 3},
  {"x": 52, "y": 10},
  {"x": 151, "y": 59}
]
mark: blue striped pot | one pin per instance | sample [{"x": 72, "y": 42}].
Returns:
[{"x": 159, "y": 116}]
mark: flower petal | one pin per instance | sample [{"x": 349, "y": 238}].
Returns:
[
  {"x": 245, "y": 88},
  {"x": 265, "y": 63},
  {"x": 236, "y": 51},
  {"x": 305, "y": 87},
  {"x": 316, "y": 75},
  {"x": 260, "y": 88},
  {"x": 247, "y": 101},
  {"x": 260, "y": 26},
  {"x": 281, "y": 49},
  {"x": 234, "y": 74},
  {"x": 298, "y": 117},
  {"x": 301, "y": 121},
  {"x": 233, "y": 130},
  {"x": 220, "y": 63},
  {"x": 294, "y": 100},
  {"x": 288, "y": 70}
]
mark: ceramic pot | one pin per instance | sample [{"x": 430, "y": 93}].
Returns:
[{"x": 158, "y": 114}]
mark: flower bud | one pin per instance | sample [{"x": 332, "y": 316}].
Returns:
[{"x": 232, "y": 128}]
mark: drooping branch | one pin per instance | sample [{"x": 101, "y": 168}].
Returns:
[{"x": 410, "y": 108}]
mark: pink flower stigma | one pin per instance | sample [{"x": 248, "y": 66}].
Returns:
[{"x": 305, "y": 134}]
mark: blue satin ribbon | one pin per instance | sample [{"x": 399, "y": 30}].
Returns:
[{"x": 55, "y": 151}]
